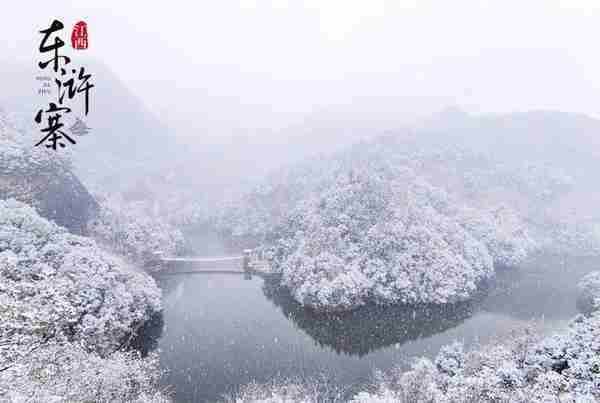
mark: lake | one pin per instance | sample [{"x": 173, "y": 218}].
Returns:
[{"x": 221, "y": 331}]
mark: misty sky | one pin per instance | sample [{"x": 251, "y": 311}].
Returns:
[{"x": 260, "y": 64}]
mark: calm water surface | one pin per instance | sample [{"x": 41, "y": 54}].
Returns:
[{"x": 220, "y": 331}]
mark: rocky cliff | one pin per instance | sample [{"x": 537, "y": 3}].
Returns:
[{"x": 42, "y": 178}]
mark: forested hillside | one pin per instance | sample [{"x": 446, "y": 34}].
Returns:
[{"x": 414, "y": 217}]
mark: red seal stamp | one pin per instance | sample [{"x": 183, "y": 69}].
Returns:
[{"x": 79, "y": 36}]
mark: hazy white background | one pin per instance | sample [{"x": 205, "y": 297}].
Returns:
[{"x": 270, "y": 64}]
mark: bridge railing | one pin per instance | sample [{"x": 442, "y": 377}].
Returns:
[{"x": 250, "y": 260}]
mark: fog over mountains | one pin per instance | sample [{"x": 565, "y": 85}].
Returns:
[{"x": 301, "y": 202}]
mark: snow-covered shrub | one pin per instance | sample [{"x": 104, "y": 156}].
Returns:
[
  {"x": 58, "y": 286},
  {"x": 68, "y": 373},
  {"x": 528, "y": 368},
  {"x": 133, "y": 229},
  {"x": 65, "y": 308},
  {"x": 450, "y": 359},
  {"x": 418, "y": 385},
  {"x": 589, "y": 292},
  {"x": 319, "y": 390}
]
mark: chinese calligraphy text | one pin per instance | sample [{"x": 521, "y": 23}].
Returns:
[{"x": 70, "y": 83}]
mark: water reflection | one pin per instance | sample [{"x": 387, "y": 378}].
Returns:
[
  {"x": 545, "y": 287},
  {"x": 222, "y": 330},
  {"x": 369, "y": 328}
]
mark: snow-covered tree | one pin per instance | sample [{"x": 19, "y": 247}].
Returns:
[
  {"x": 42, "y": 178},
  {"x": 589, "y": 292},
  {"x": 368, "y": 239},
  {"x": 502, "y": 231},
  {"x": 367, "y": 226},
  {"x": 64, "y": 303},
  {"x": 134, "y": 229},
  {"x": 69, "y": 373},
  {"x": 527, "y": 368}
]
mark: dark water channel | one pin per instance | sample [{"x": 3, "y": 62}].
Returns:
[{"x": 220, "y": 331}]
